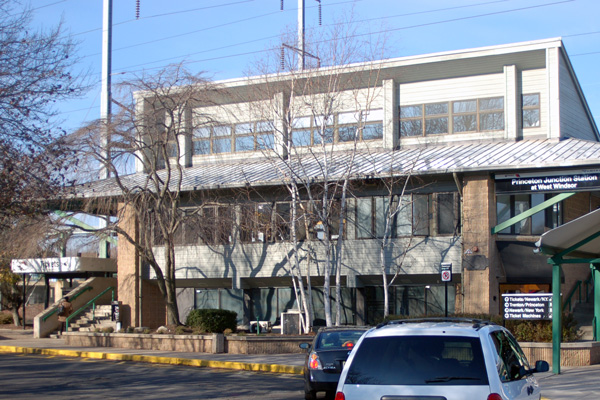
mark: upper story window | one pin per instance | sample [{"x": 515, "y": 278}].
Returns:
[
  {"x": 476, "y": 115},
  {"x": 343, "y": 127},
  {"x": 531, "y": 110},
  {"x": 247, "y": 136}
]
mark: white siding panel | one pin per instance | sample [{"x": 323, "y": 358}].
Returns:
[
  {"x": 535, "y": 81},
  {"x": 471, "y": 87},
  {"x": 575, "y": 121},
  {"x": 360, "y": 258}
]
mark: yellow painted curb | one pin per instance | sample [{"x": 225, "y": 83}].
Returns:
[{"x": 275, "y": 368}]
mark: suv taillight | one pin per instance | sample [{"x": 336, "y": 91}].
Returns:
[
  {"x": 494, "y": 396},
  {"x": 340, "y": 396},
  {"x": 314, "y": 362}
]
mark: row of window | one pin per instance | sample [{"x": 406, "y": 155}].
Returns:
[
  {"x": 416, "y": 214},
  {"x": 475, "y": 115},
  {"x": 343, "y": 127},
  {"x": 306, "y": 131},
  {"x": 452, "y": 117},
  {"x": 249, "y": 136}
]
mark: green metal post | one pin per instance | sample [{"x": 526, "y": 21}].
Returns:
[
  {"x": 596, "y": 280},
  {"x": 556, "y": 317}
]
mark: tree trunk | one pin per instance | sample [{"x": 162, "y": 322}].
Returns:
[{"x": 16, "y": 317}]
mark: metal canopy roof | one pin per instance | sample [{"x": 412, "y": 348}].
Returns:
[
  {"x": 573, "y": 235},
  {"x": 373, "y": 163}
]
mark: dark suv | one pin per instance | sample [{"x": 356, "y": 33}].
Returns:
[{"x": 326, "y": 357}]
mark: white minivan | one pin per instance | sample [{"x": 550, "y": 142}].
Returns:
[{"x": 438, "y": 359}]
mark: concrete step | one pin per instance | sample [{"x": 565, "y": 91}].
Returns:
[{"x": 587, "y": 332}]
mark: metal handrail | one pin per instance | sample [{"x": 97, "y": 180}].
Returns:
[
  {"x": 91, "y": 302},
  {"x": 577, "y": 288},
  {"x": 76, "y": 295}
]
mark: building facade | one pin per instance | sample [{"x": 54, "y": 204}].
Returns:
[{"x": 477, "y": 151}]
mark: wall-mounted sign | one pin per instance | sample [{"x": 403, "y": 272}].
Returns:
[
  {"x": 563, "y": 181},
  {"x": 527, "y": 306}
]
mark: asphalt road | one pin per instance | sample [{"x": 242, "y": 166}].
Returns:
[{"x": 46, "y": 377}]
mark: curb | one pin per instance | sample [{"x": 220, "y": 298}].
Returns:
[{"x": 255, "y": 367}]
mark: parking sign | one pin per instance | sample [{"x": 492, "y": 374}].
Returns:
[{"x": 446, "y": 272}]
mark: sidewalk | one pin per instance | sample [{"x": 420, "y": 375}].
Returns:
[
  {"x": 581, "y": 383},
  {"x": 15, "y": 341}
]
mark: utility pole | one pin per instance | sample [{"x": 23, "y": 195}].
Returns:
[
  {"x": 105, "y": 96},
  {"x": 301, "y": 26},
  {"x": 105, "y": 105}
]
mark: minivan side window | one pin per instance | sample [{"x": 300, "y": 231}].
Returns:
[{"x": 510, "y": 357}]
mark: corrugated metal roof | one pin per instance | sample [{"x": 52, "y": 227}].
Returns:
[{"x": 485, "y": 156}]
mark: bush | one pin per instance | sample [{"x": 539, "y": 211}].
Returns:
[
  {"x": 523, "y": 331},
  {"x": 6, "y": 318},
  {"x": 212, "y": 320}
]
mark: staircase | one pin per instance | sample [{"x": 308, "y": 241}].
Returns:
[
  {"x": 92, "y": 320},
  {"x": 584, "y": 315}
]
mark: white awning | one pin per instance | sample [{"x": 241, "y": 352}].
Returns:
[
  {"x": 571, "y": 233},
  {"x": 63, "y": 265}
]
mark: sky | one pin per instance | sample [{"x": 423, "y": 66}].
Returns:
[{"x": 224, "y": 38}]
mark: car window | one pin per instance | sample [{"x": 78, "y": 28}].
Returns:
[
  {"x": 418, "y": 360},
  {"x": 338, "y": 339},
  {"x": 510, "y": 356}
]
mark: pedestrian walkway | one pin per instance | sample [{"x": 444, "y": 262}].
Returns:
[
  {"x": 15, "y": 341},
  {"x": 581, "y": 383}
]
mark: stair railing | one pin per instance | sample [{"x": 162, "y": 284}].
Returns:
[
  {"x": 71, "y": 298},
  {"x": 568, "y": 302},
  {"x": 92, "y": 303},
  {"x": 578, "y": 289}
]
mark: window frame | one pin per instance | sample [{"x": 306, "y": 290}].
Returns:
[
  {"x": 358, "y": 121},
  {"x": 421, "y": 119},
  {"x": 211, "y": 136},
  {"x": 528, "y": 108}
]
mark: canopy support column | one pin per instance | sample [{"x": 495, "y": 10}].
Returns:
[
  {"x": 556, "y": 317},
  {"x": 596, "y": 280}
]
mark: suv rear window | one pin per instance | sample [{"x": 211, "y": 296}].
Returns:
[
  {"x": 418, "y": 360},
  {"x": 337, "y": 340}
]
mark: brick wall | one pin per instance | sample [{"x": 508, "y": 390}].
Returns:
[
  {"x": 576, "y": 206},
  {"x": 153, "y": 305},
  {"x": 128, "y": 270},
  {"x": 480, "y": 255}
]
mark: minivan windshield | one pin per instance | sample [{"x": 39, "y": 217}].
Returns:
[{"x": 418, "y": 360}]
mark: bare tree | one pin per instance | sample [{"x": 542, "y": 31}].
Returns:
[
  {"x": 35, "y": 73},
  {"x": 320, "y": 117},
  {"x": 34, "y": 236},
  {"x": 153, "y": 122}
]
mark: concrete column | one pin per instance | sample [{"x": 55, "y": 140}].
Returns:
[
  {"x": 552, "y": 71},
  {"x": 390, "y": 114},
  {"x": 512, "y": 104}
]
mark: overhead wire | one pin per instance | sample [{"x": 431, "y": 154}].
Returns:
[
  {"x": 128, "y": 69},
  {"x": 367, "y": 34}
]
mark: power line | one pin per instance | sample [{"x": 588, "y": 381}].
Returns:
[
  {"x": 363, "y": 34},
  {"x": 165, "y": 14}
]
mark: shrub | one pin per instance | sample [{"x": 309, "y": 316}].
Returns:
[
  {"x": 212, "y": 320},
  {"x": 6, "y": 318},
  {"x": 524, "y": 331}
]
